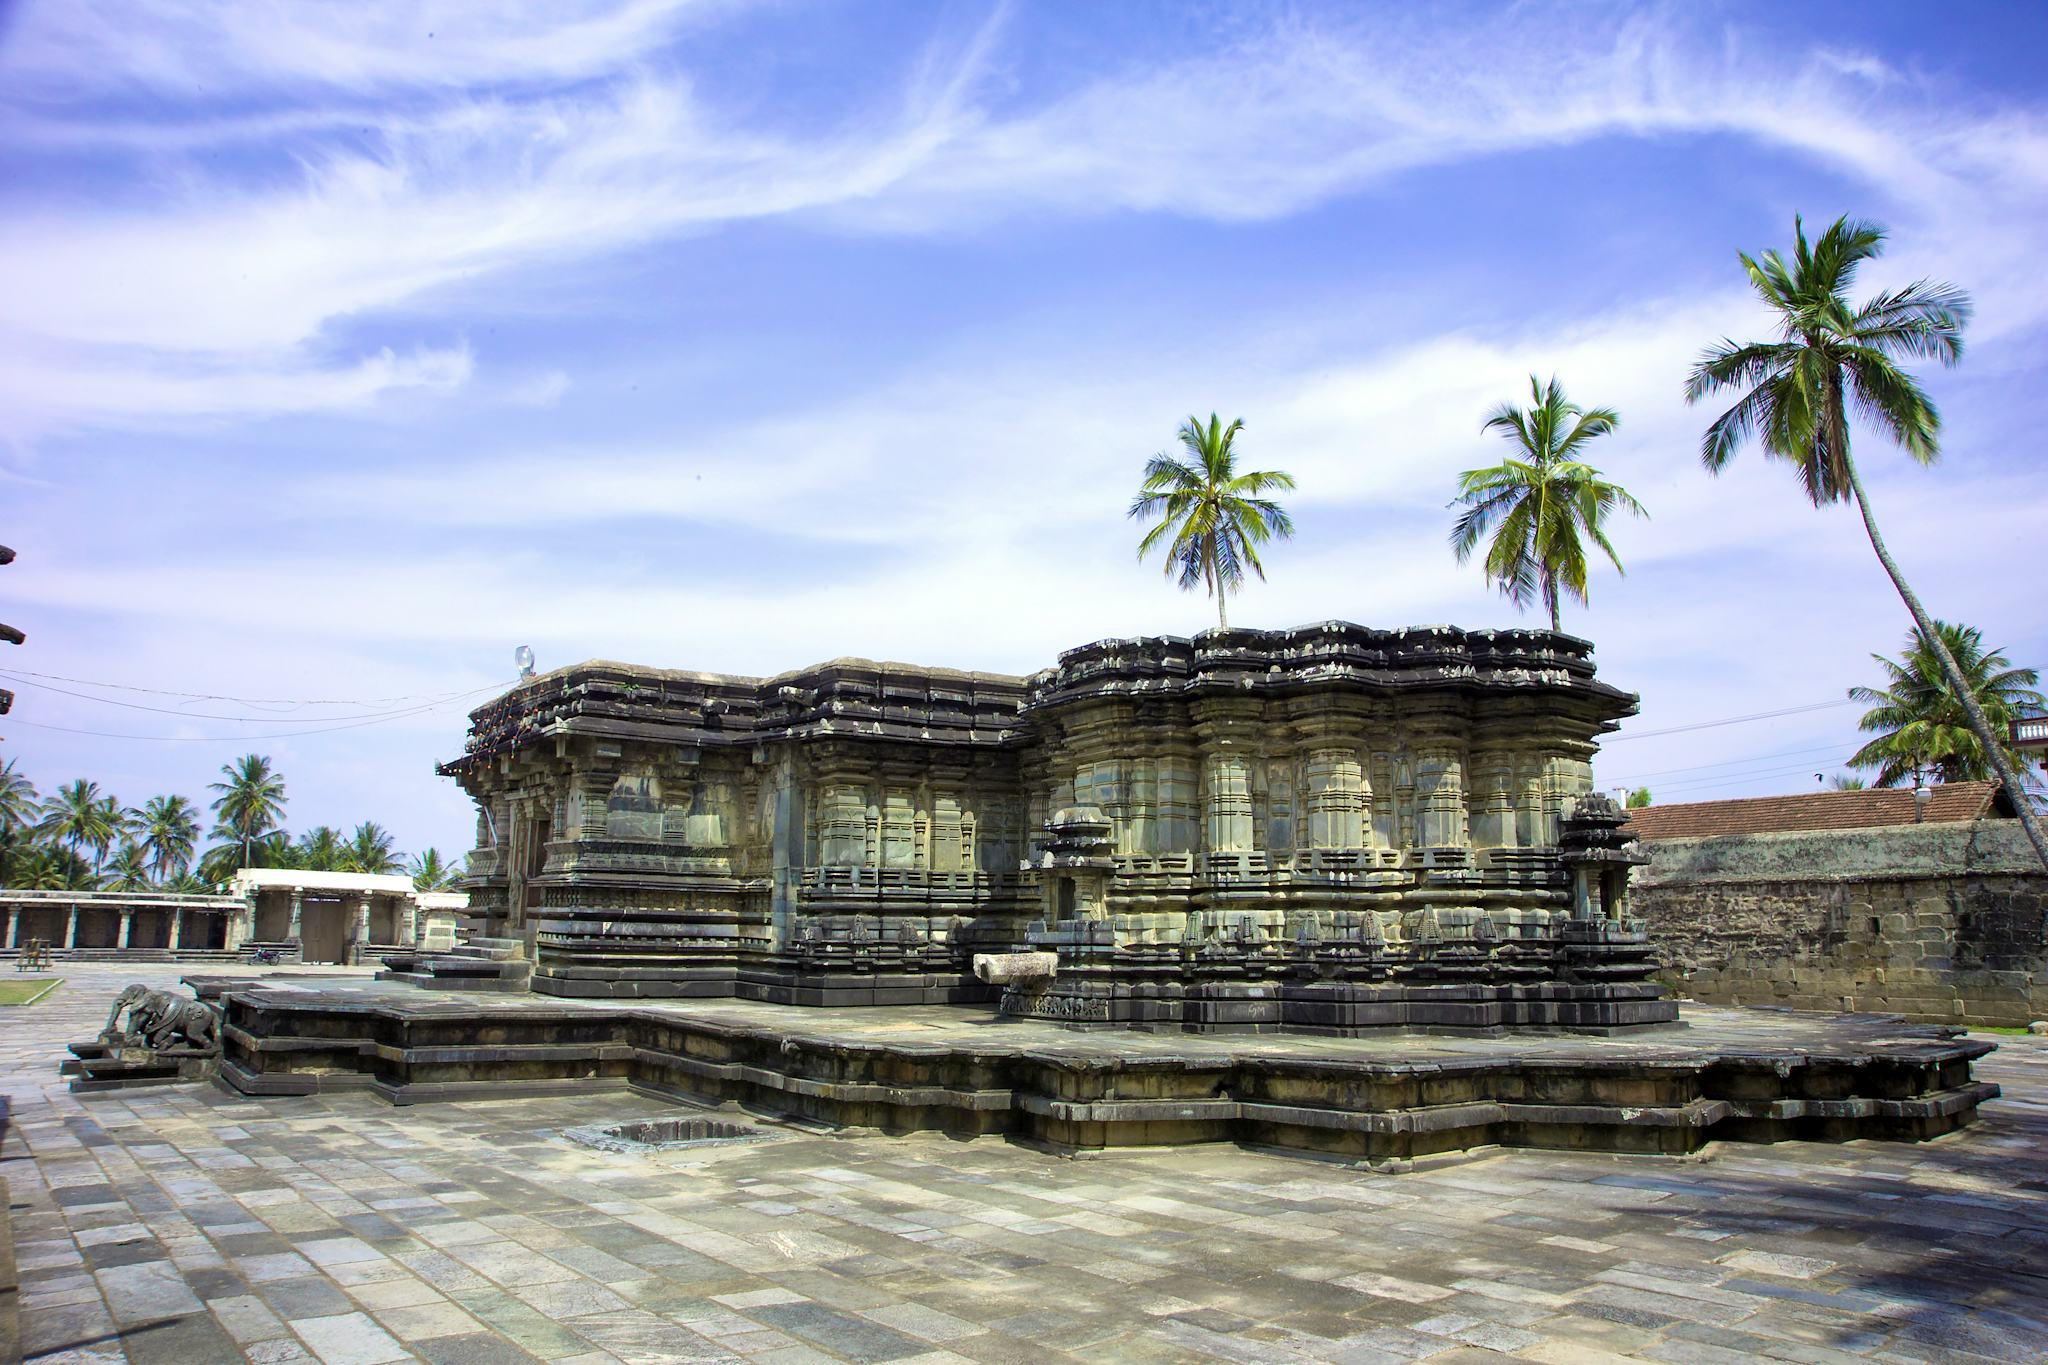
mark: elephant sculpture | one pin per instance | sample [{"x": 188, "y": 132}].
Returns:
[{"x": 161, "y": 1021}]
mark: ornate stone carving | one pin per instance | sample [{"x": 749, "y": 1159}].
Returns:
[{"x": 1198, "y": 829}]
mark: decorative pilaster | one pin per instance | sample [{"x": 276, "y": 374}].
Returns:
[
  {"x": 127, "y": 928},
  {"x": 362, "y": 934},
  {"x": 409, "y": 922}
]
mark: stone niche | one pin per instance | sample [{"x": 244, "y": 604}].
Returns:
[{"x": 1330, "y": 828}]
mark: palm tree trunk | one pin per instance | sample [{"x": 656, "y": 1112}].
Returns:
[
  {"x": 1980, "y": 724},
  {"x": 1216, "y": 586},
  {"x": 1550, "y": 592}
]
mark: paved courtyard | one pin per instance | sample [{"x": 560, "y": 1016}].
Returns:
[{"x": 186, "y": 1224}]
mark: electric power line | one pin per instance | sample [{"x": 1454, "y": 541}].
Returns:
[
  {"x": 1640, "y": 778},
  {"x": 242, "y": 739},
  {"x": 215, "y": 696},
  {"x": 246, "y": 720},
  {"x": 1695, "y": 788},
  {"x": 1732, "y": 720}
]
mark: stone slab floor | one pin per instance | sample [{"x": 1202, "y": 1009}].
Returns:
[{"x": 186, "y": 1224}]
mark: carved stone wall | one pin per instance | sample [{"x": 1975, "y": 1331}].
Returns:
[{"x": 858, "y": 830}]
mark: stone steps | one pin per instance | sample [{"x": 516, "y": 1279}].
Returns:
[
  {"x": 489, "y": 949},
  {"x": 495, "y": 966}
]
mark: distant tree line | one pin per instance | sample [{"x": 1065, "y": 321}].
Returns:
[{"x": 81, "y": 838}]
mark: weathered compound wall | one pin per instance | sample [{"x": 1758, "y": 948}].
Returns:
[{"x": 1939, "y": 922}]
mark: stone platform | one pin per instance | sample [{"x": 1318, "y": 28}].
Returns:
[{"x": 1735, "y": 1075}]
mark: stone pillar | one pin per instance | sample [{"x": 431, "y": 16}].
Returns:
[
  {"x": 294, "y": 931},
  {"x": 240, "y": 928},
  {"x": 362, "y": 938},
  {"x": 177, "y": 930},
  {"x": 1337, "y": 800},
  {"x": 1230, "y": 803},
  {"x": 409, "y": 922},
  {"x": 127, "y": 928},
  {"x": 71, "y": 928},
  {"x": 13, "y": 929}
]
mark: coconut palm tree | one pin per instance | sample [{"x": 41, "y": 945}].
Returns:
[
  {"x": 53, "y": 869},
  {"x": 1921, "y": 726},
  {"x": 20, "y": 851},
  {"x": 19, "y": 805},
  {"x": 1831, "y": 357},
  {"x": 430, "y": 872},
  {"x": 1539, "y": 505},
  {"x": 80, "y": 816},
  {"x": 320, "y": 849},
  {"x": 130, "y": 869},
  {"x": 251, "y": 800},
  {"x": 169, "y": 826},
  {"x": 1214, "y": 518},
  {"x": 369, "y": 850}
]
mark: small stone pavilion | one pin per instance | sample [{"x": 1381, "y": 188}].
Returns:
[{"x": 1330, "y": 828}]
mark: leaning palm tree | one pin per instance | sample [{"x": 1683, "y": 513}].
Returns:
[
  {"x": 251, "y": 800},
  {"x": 169, "y": 826},
  {"x": 1832, "y": 356},
  {"x": 19, "y": 805},
  {"x": 369, "y": 850},
  {"x": 1920, "y": 724},
  {"x": 79, "y": 816},
  {"x": 1215, "y": 517},
  {"x": 1539, "y": 506}
]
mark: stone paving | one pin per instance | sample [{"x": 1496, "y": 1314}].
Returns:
[{"x": 186, "y": 1224}]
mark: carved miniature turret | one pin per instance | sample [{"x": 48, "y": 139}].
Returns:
[
  {"x": 1598, "y": 853},
  {"x": 1077, "y": 836}
]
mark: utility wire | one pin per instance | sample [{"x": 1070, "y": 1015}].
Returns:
[
  {"x": 240, "y": 739},
  {"x": 1639, "y": 778},
  {"x": 215, "y": 696},
  {"x": 1731, "y": 720},
  {"x": 1696, "y": 788},
  {"x": 246, "y": 720}
]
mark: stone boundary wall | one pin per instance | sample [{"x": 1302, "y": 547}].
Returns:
[{"x": 1941, "y": 923}]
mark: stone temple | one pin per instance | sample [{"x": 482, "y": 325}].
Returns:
[
  {"x": 1328, "y": 890},
  {"x": 1331, "y": 829}
]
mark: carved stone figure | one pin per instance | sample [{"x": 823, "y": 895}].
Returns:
[{"x": 163, "y": 1023}]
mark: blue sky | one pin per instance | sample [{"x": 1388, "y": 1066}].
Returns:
[{"x": 347, "y": 347}]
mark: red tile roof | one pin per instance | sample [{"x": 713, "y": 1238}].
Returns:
[{"x": 1815, "y": 810}]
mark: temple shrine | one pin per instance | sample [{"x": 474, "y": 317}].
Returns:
[{"x": 1330, "y": 828}]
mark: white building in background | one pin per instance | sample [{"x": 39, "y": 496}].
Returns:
[
  {"x": 340, "y": 917},
  {"x": 330, "y": 917}
]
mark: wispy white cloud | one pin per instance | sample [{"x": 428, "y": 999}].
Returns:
[
  {"x": 62, "y": 55},
  {"x": 608, "y": 146}
]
